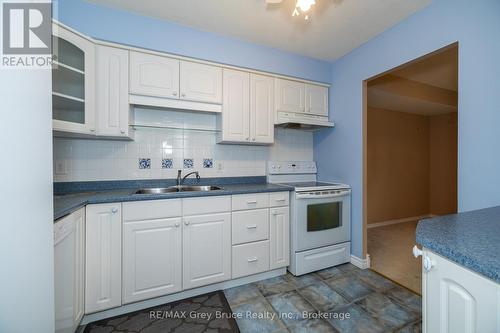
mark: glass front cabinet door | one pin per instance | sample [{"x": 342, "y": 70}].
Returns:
[{"x": 73, "y": 73}]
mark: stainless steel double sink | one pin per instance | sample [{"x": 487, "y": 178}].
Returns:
[{"x": 181, "y": 188}]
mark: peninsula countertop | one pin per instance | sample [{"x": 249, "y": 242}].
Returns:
[
  {"x": 471, "y": 239},
  {"x": 70, "y": 200}
]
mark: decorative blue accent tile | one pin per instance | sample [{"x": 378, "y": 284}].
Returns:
[
  {"x": 208, "y": 163},
  {"x": 188, "y": 163},
  {"x": 167, "y": 163},
  {"x": 144, "y": 163}
]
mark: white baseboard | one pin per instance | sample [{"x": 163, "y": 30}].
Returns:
[
  {"x": 180, "y": 295},
  {"x": 396, "y": 221},
  {"x": 361, "y": 263}
]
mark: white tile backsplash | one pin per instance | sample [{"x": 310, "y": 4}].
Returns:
[{"x": 90, "y": 160}]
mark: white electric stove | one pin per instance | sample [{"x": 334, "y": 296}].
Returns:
[{"x": 320, "y": 217}]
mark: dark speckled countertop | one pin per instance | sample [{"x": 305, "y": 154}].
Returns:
[
  {"x": 471, "y": 239},
  {"x": 72, "y": 196}
]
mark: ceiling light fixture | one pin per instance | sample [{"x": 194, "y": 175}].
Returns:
[{"x": 303, "y": 6}]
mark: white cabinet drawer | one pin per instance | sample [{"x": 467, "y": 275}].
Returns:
[
  {"x": 278, "y": 199},
  {"x": 250, "y": 201},
  {"x": 206, "y": 205},
  {"x": 251, "y": 258},
  {"x": 150, "y": 210},
  {"x": 250, "y": 226}
]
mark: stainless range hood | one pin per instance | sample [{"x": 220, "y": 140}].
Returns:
[{"x": 302, "y": 121}]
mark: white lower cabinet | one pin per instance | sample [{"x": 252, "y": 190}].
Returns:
[
  {"x": 152, "y": 258},
  {"x": 69, "y": 247},
  {"x": 279, "y": 237},
  {"x": 103, "y": 288},
  {"x": 250, "y": 226},
  {"x": 250, "y": 258},
  {"x": 206, "y": 249},
  {"x": 457, "y": 300},
  {"x": 145, "y": 249}
]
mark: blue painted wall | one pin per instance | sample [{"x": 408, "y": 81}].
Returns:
[
  {"x": 141, "y": 31},
  {"x": 476, "y": 26}
]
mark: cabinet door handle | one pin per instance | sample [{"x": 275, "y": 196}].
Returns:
[
  {"x": 417, "y": 252},
  {"x": 252, "y": 226},
  {"x": 253, "y": 139},
  {"x": 254, "y": 259},
  {"x": 251, "y": 202},
  {"x": 247, "y": 139},
  {"x": 280, "y": 200},
  {"x": 428, "y": 263},
  {"x": 174, "y": 93},
  {"x": 122, "y": 132},
  {"x": 183, "y": 95},
  {"x": 177, "y": 225},
  {"x": 186, "y": 223},
  {"x": 114, "y": 210}
]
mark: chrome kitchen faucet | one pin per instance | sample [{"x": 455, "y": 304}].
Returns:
[{"x": 180, "y": 179}]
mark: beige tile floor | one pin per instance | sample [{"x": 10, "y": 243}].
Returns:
[{"x": 390, "y": 249}]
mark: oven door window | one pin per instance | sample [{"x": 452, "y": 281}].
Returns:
[{"x": 324, "y": 216}]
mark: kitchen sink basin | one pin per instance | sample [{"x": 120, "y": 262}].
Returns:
[
  {"x": 198, "y": 188},
  {"x": 182, "y": 188},
  {"x": 158, "y": 190}
]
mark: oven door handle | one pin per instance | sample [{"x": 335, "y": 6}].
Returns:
[{"x": 320, "y": 196}]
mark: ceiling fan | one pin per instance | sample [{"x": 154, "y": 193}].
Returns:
[{"x": 301, "y": 7}]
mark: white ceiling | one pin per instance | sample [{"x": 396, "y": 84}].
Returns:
[{"x": 335, "y": 28}]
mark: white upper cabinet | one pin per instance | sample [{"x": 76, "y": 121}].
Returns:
[
  {"x": 289, "y": 95},
  {"x": 236, "y": 106},
  {"x": 206, "y": 249},
  {"x": 200, "y": 82},
  {"x": 73, "y": 104},
  {"x": 112, "y": 107},
  {"x": 248, "y": 108},
  {"x": 261, "y": 108},
  {"x": 153, "y": 75},
  {"x": 300, "y": 97},
  {"x": 316, "y": 100}
]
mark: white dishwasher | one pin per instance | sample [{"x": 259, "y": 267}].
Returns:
[{"x": 68, "y": 272}]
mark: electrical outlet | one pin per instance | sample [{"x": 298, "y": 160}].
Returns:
[{"x": 61, "y": 167}]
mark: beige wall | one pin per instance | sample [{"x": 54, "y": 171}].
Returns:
[
  {"x": 443, "y": 164},
  {"x": 411, "y": 162}
]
